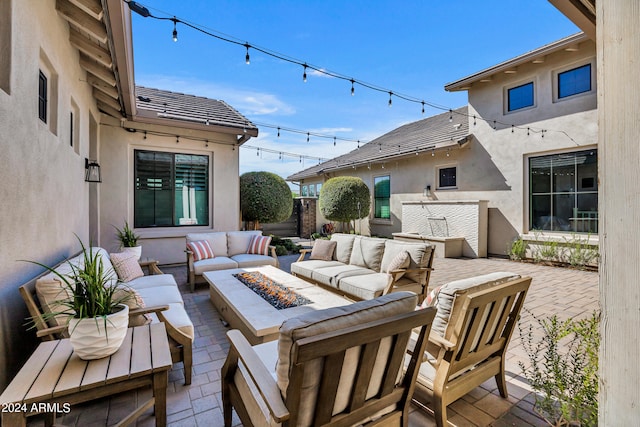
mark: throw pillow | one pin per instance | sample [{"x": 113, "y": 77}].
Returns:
[
  {"x": 399, "y": 262},
  {"x": 259, "y": 245},
  {"x": 323, "y": 250},
  {"x": 432, "y": 298},
  {"x": 201, "y": 250},
  {"x": 133, "y": 300},
  {"x": 126, "y": 266}
]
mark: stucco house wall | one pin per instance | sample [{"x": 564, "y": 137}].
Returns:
[
  {"x": 44, "y": 196},
  {"x": 165, "y": 244}
]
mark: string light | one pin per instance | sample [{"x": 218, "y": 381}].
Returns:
[
  {"x": 304, "y": 73},
  {"x": 433, "y": 152},
  {"x": 353, "y": 89},
  {"x": 450, "y": 115},
  {"x": 144, "y": 12},
  {"x": 307, "y": 136},
  {"x": 278, "y": 132},
  {"x": 177, "y": 139},
  {"x": 175, "y": 30},
  {"x": 423, "y": 107},
  {"x": 206, "y": 144},
  {"x": 145, "y": 135},
  {"x": 512, "y": 128},
  {"x": 334, "y": 141},
  {"x": 247, "y": 58}
]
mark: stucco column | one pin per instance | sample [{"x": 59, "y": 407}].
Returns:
[{"x": 618, "y": 44}]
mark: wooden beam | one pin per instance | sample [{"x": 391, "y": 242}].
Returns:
[
  {"x": 108, "y": 110},
  {"x": 102, "y": 86},
  {"x": 80, "y": 18},
  {"x": 106, "y": 99},
  {"x": 98, "y": 70},
  {"x": 91, "y": 7},
  {"x": 95, "y": 51}
]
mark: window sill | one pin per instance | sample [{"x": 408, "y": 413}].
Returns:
[
  {"x": 169, "y": 232},
  {"x": 381, "y": 221},
  {"x": 561, "y": 237}
]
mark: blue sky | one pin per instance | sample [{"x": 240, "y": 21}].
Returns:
[{"x": 411, "y": 47}]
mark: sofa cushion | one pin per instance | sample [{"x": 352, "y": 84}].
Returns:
[
  {"x": 305, "y": 268},
  {"x": 238, "y": 241},
  {"x": 126, "y": 266},
  {"x": 419, "y": 255},
  {"x": 400, "y": 262},
  {"x": 214, "y": 264},
  {"x": 251, "y": 260},
  {"x": 330, "y": 276},
  {"x": 344, "y": 245},
  {"x": 133, "y": 300},
  {"x": 452, "y": 290},
  {"x": 369, "y": 286},
  {"x": 323, "y": 250},
  {"x": 367, "y": 252},
  {"x": 201, "y": 249},
  {"x": 332, "y": 319},
  {"x": 217, "y": 241},
  {"x": 177, "y": 316},
  {"x": 160, "y": 295},
  {"x": 259, "y": 245},
  {"x": 152, "y": 281}
]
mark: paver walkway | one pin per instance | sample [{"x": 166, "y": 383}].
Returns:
[{"x": 554, "y": 290}]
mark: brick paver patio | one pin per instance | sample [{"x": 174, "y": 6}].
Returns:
[{"x": 554, "y": 290}]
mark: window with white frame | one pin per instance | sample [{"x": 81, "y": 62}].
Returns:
[
  {"x": 304, "y": 191},
  {"x": 563, "y": 192},
  {"x": 520, "y": 97},
  {"x": 170, "y": 189},
  {"x": 447, "y": 177},
  {"x": 382, "y": 197}
]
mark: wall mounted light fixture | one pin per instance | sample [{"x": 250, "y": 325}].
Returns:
[
  {"x": 427, "y": 190},
  {"x": 92, "y": 171}
]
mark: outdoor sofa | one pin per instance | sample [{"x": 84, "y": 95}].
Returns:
[
  {"x": 156, "y": 297},
  {"x": 226, "y": 250},
  {"x": 364, "y": 268}
]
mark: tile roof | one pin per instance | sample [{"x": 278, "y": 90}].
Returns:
[
  {"x": 165, "y": 104},
  {"x": 432, "y": 133}
]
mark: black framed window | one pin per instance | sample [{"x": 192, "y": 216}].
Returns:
[
  {"x": 42, "y": 97},
  {"x": 171, "y": 189},
  {"x": 447, "y": 177},
  {"x": 520, "y": 97},
  {"x": 563, "y": 192},
  {"x": 71, "y": 130},
  {"x": 382, "y": 197},
  {"x": 574, "y": 81}
]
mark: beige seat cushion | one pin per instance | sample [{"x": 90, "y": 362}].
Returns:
[
  {"x": 330, "y": 276},
  {"x": 368, "y": 286},
  {"x": 177, "y": 316},
  {"x": 306, "y": 268},
  {"x": 452, "y": 290},
  {"x": 160, "y": 295},
  {"x": 367, "y": 252},
  {"x": 238, "y": 241},
  {"x": 214, "y": 264},
  {"x": 217, "y": 241},
  {"x": 344, "y": 245},
  {"x": 152, "y": 281},
  {"x": 419, "y": 255},
  {"x": 332, "y": 319},
  {"x": 252, "y": 260}
]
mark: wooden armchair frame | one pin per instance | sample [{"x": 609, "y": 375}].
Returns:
[
  {"x": 179, "y": 343},
  {"x": 332, "y": 347},
  {"x": 474, "y": 347}
]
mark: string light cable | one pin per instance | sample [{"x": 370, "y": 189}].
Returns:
[{"x": 143, "y": 11}]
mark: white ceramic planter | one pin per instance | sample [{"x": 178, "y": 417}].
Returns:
[
  {"x": 88, "y": 337},
  {"x": 136, "y": 250}
]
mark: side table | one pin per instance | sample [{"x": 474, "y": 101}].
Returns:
[{"x": 54, "y": 377}]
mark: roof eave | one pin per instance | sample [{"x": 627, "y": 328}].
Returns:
[
  {"x": 466, "y": 82},
  {"x": 144, "y": 117}
]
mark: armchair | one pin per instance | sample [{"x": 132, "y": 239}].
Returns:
[{"x": 334, "y": 367}]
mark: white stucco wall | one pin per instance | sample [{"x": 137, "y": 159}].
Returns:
[
  {"x": 44, "y": 196},
  {"x": 165, "y": 244}
]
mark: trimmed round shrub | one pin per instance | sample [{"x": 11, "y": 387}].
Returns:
[
  {"x": 339, "y": 199},
  {"x": 264, "y": 197}
]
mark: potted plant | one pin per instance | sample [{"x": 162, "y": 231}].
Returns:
[
  {"x": 128, "y": 239},
  {"x": 95, "y": 303}
]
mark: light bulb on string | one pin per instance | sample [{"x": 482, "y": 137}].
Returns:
[
  {"x": 175, "y": 30},
  {"x": 278, "y": 132},
  {"x": 145, "y": 135},
  {"x": 177, "y": 139},
  {"x": 247, "y": 59},
  {"x": 257, "y": 151},
  {"x": 422, "y": 107},
  {"x": 307, "y": 136},
  {"x": 353, "y": 89},
  {"x": 390, "y": 100},
  {"x": 379, "y": 148},
  {"x": 450, "y": 116},
  {"x": 206, "y": 143},
  {"x": 527, "y": 131},
  {"x": 300, "y": 159},
  {"x": 334, "y": 141},
  {"x": 304, "y": 73},
  {"x": 358, "y": 144},
  {"x": 494, "y": 125},
  {"x": 474, "y": 120},
  {"x": 512, "y": 126},
  {"x": 433, "y": 152}
]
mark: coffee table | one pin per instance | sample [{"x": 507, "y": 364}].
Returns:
[
  {"x": 54, "y": 377},
  {"x": 258, "y": 320}
]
